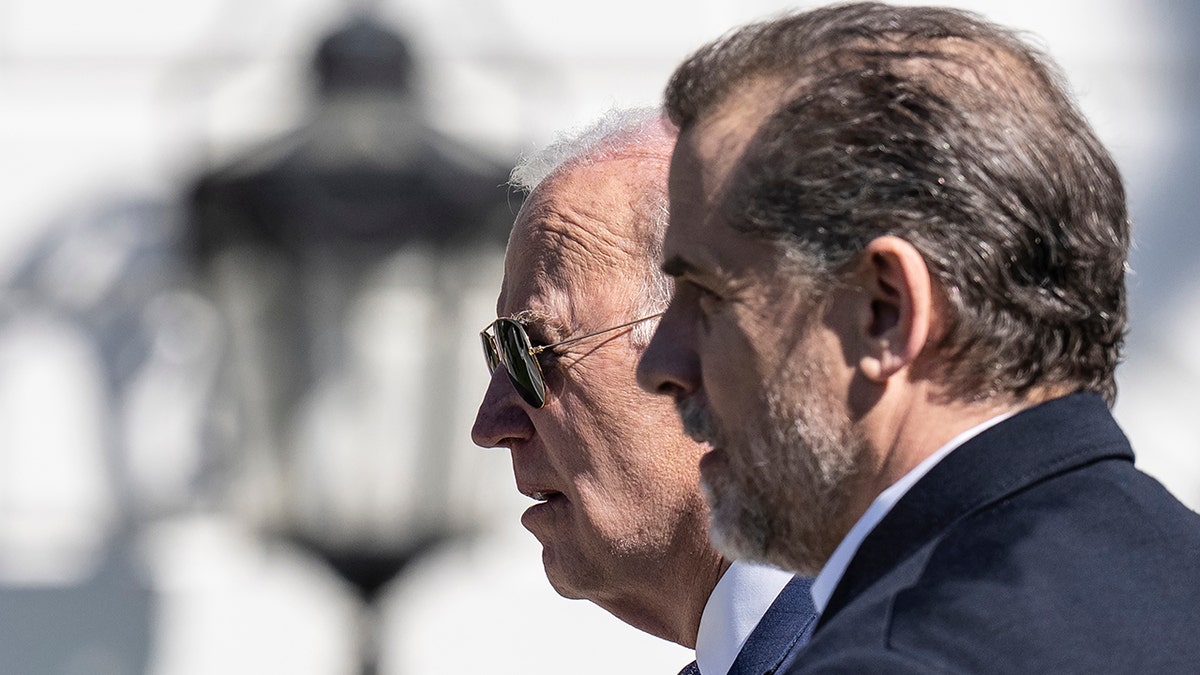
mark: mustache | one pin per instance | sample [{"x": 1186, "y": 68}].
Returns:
[{"x": 697, "y": 423}]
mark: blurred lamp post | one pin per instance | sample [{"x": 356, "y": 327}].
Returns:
[{"x": 339, "y": 256}]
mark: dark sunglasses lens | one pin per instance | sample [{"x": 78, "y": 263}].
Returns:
[
  {"x": 523, "y": 368},
  {"x": 489, "y": 352}
]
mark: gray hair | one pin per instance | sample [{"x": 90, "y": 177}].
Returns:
[{"x": 616, "y": 134}]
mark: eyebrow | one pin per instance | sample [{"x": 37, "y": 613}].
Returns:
[
  {"x": 531, "y": 318},
  {"x": 538, "y": 324}
]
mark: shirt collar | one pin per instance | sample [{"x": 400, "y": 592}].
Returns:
[
  {"x": 827, "y": 580},
  {"x": 737, "y": 603}
]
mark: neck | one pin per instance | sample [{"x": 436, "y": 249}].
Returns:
[
  {"x": 904, "y": 435},
  {"x": 674, "y": 612}
]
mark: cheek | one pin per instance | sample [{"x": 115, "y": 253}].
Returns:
[
  {"x": 642, "y": 456},
  {"x": 604, "y": 395},
  {"x": 630, "y": 444},
  {"x": 731, "y": 371}
]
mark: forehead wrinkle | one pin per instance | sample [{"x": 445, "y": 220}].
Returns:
[
  {"x": 578, "y": 240},
  {"x": 558, "y": 267},
  {"x": 580, "y": 235},
  {"x": 586, "y": 244}
]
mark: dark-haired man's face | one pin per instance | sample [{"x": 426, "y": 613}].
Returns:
[{"x": 755, "y": 366}]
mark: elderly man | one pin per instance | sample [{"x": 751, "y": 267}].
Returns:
[
  {"x": 619, "y": 512},
  {"x": 899, "y": 254}
]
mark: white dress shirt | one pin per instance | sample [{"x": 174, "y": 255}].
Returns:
[
  {"x": 737, "y": 603},
  {"x": 827, "y": 580}
]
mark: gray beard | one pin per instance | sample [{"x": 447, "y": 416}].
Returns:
[{"x": 786, "y": 488}]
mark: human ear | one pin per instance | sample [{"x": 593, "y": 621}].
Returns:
[{"x": 898, "y": 319}]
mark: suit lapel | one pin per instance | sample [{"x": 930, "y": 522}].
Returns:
[
  {"x": 787, "y": 624},
  {"x": 1039, "y": 442}
]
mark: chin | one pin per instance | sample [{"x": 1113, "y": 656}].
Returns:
[
  {"x": 737, "y": 544},
  {"x": 735, "y": 530},
  {"x": 742, "y": 530},
  {"x": 562, "y": 578}
]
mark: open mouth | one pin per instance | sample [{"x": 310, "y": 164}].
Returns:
[
  {"x": 540, "y": 494},
  {"x": 546, "y": 514}
]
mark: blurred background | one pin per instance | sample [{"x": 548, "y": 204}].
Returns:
[{"x": 245, "y": 249}]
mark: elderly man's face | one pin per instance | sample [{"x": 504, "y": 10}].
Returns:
[
  {"x": 615, "y": 479},
  {"x": 755, "y": 366}
]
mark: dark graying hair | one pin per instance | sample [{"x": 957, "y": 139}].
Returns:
[
  {"x": 948, "y": 131},
  {"x": 619, "y": 133}
]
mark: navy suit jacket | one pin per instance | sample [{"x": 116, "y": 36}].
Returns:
[
  {"x": 1035, "y": 547},
  {"x": 782, "y": 631}
]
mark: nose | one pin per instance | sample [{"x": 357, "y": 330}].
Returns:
[
  {"x": 669, "y": 365},
  {"x": 502, "y": 419}
]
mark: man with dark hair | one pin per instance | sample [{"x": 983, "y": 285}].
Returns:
[
  {"x": 900, "y": 254},
  {"x": 619, "y": 512}
]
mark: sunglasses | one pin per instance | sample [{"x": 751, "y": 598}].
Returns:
[{"x": 509, "y": 344}]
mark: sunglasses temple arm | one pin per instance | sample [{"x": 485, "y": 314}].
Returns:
[{"x": 542, "y": 348}]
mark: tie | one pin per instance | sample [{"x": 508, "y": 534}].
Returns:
[{"x": 690, "y": 669}]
